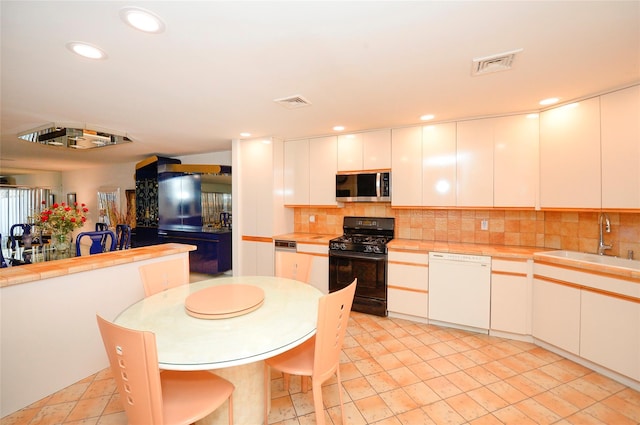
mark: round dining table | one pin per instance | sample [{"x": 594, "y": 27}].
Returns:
[{"x": 233, "y": 347}]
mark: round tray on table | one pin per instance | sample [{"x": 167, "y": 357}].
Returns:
[{"x": 224, "y": 301}]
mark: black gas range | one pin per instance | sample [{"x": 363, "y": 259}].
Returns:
[{"x": 361, "y": 252}]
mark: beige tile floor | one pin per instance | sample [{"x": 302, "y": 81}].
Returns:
[{"x": 400, "y": 372}]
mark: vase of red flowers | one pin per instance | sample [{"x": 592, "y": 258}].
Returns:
[{"x": 61, "y": 220}]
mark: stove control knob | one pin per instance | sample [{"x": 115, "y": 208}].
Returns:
[
  {"x": 368, "y": 248},
  {"x": 343, "y": 246}
]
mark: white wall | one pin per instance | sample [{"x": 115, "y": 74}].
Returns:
[{"x": 87, "y": 182}]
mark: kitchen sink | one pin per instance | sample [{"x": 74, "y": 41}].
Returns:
[{"x": 586, "y": 257}]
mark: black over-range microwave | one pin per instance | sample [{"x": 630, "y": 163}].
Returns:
[{"x": 363, "y": 187}]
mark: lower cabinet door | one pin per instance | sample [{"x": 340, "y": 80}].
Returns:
[
  {"x": 610, "y": 333},
  {"x": 556, "y": 315}
]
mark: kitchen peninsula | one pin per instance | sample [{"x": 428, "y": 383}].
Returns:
[{"x": 49, "y": 335}]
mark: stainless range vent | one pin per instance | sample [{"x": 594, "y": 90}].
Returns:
[
  {"x": 494, "y": 63},
  {"x": 293, "y": 102}
]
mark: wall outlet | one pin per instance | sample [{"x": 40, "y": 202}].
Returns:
[
  {"x": 484, "y": 224},
  {"x": 312, "y": 218}
]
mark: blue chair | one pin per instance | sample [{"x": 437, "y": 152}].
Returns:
[
  {"x": 101, "y": 226},
  {"x": 16, "y": 239},
  {"x": 102, "y": 241},
  {"x": 123, "y": 236}
]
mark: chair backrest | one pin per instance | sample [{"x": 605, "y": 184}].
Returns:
[
  {"x": 123, "y": 236},
  {"x": 294, "y": 265},
  {"x": 101, "y": 226},
  {"x": 16, "y": 232},
  {"x": 334, "y": 310},
  {"x": 133, "y": 358},
  {"x": 100, "y": 241},
  {"x": 160, "y": 276}
]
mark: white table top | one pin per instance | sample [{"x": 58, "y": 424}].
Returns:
[{"x": 286, "y": 319}]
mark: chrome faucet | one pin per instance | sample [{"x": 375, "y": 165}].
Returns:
[{"x": 605, "y": 226}]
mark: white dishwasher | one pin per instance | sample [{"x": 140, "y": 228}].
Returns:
[{"x": 460, "y": 289}]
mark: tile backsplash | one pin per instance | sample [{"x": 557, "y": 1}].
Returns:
[{"x": 570, "y": 230}]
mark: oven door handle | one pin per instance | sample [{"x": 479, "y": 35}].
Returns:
[{"x": 363, "y": 255}]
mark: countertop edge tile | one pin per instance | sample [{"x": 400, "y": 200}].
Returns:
[{"x": 32, "y": 272}]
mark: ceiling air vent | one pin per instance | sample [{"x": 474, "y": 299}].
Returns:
[
  {"x": 494, "y": 63},
  {"x": 293, "y": 102}
]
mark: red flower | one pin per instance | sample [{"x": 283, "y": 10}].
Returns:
[
  {"x": 73, "y": 219},
  {"x": 67, "y": 208},
  {"x": 83, "y": 219},
  {"x": 85, "y": 209},
  {"x": 55, "y": 205},
  {"x": 44, "y": 202}
]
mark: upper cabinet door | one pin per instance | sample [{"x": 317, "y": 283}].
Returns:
[
  {"x": 475, "y": 163},
  {"x": 515, "y": 161},
  {"x": 620, "y": 121},
  {"x": 570, "y": 156},
  {"x": 296, "y": 172},
  {"x": 439, "y": 165},
  {"x": 406, "y": 166},
  {"x": 376, "y": 150},
  {"x": 370, "y": 150},
  {"x": 322, "y": 166},
  {"x": 350, "y": 152}
]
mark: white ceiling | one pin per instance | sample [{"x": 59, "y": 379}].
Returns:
[{"x": 218, "y": 66}]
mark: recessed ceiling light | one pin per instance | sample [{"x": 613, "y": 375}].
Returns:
[
  {"x": 549, "y": 101},
  {"x": 86, "y": 50},
  {"x": 427, "y": 117},
  {"x": 245, "y": 134},
  {"x": 338, "y": 128},
  {"x": 142, "y": 19}
]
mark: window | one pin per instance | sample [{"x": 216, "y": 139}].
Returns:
[{"x": 17, "y": 204}]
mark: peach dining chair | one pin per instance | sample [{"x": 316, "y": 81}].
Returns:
[
  {"x": 318, "y": 357},
  {"x": 153, "y": 397},
  {"x": 157, "y": 277},
  {"x": 294, "y": 265}
]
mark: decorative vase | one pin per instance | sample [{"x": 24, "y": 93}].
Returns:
[{"x": 61, "y": 241}]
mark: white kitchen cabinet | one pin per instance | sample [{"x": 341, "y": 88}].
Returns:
[
  {"x": 620, "y": 122},
  {"x": 439, "y": 165},
  {"x": 570, "y": 174},
  {"x": 350, "y": 152},
  {"x": 474, "y": 158},
  {"x": 296, "y": 172},
  {"x": 511, "y": 295},
  {"x": 310, "y": 167},
  {"x": 556, "y": 314},
  {"x": 376, "y": 153},
  {"x": 323, "y": 157},
  {"x": 319, "y": 276},
  {"x": 366, "y": 151},
  {"x": 258, "y": 193},
  {"x": 408, "y": 284},
  {"x": 406, "y": 166},
  {"x": 610, "y": 333},
  {"x": 515, "y": 161}
]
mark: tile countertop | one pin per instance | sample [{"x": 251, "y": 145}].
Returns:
[
  {"x": 310, "y": 238},
  {"x": 500, "y": 251},
  {"x": 38, "y": 271},
  {"x": 525, "y": 252}
]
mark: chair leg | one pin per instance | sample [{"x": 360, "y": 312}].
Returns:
[
  {"x": 317, "y": 402},
  {"x": 340, "y": 394},
  {"x": 285, "y": 380},
  {"x": 267, "y": 383},
  {"x": 231, "y": 409}
]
